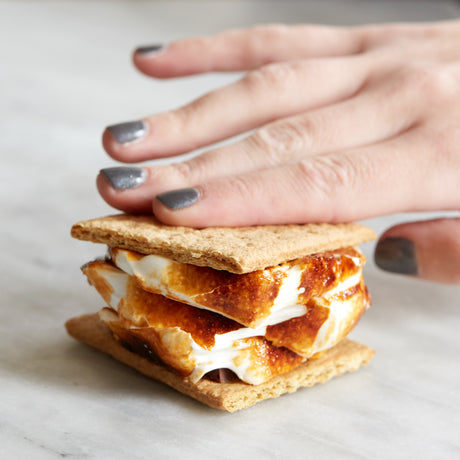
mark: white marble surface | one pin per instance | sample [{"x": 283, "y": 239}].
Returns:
[{"x": 64, "y": 74}]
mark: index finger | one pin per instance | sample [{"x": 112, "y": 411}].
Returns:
[{"x": 392, "y": 176}]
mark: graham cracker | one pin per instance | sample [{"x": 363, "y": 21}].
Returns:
[
  {"x": 237, "y": 250},
  {"x": 347, "y": 356}
]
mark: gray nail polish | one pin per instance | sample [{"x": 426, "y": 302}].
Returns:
[
  {"x": 149, "y": 49},
  {"x": 122, "y": 178},
  {"x": 179, "y": 199},
  {"x": 396, "y": 255},
  {"x": 128, "y": 132}
]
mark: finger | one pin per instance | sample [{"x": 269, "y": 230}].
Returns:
[
  {"x": 246, "y": 49},
  {"x": 390, "y": 177},
  {"x": 428, "y": 250},
  {"x": 351, "y": 123},
  {"x": 272, "y": 92},
  {"x": 348, "y": 124},
  {"x": 132, "y": 189}
]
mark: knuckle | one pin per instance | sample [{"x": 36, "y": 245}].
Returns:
[
  {"x": 270, "y": 32},
  {"x": 183, "y": 170},
  {"x": 161, "y": 177},
  {"x": 184, "y": 118},
  {"x": 270, "y": 77},
  {"x": 176, "y": 120},
  {"x": 239, "y": 187},
  {"x": 258, "y": 37},
  {"x": 332, "y": 176},
  {"x": 197, "y": 168},
  {"x": 320, "y": 176},
  {"x": 282, "y": 140},
  {"x": 435, "y": 83}
]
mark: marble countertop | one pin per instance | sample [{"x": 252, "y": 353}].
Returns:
[{"x": 65, "y": 73}]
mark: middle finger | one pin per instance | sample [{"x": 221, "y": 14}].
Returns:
[{"x": 271, "y": 92}]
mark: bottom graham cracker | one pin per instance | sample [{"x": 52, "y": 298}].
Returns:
[{"x": 346, "y": 356}]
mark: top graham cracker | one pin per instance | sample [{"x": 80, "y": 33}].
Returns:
[{"x": 237, "y": 250}]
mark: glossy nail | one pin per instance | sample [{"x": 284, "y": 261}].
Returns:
[
  {"x": 396, "y": 255},
  {"x": 150, "y": 49},
  {"x": 179, "y": 199},
  {"x": 123, "y": 177},
  {"x": 129, "y": 131}
]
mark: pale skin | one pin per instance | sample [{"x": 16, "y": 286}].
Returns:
[{"x": 346, "y": 124}]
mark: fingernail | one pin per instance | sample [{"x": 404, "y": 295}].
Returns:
[
  {"x": 123, "y": 178},
  {"x": 150, "y": 49},
  {"x": 396, "y": 255},
  {"x": 129, "y": 131},
  {"x": 179, "y": 199}
]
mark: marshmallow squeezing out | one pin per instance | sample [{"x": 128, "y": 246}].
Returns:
[{"x": 258, "y": 325}]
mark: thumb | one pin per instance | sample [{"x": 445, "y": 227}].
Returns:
[{"x": 428, "y": 250}]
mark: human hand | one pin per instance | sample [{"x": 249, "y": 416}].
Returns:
[{"x": 349, "y": 123}]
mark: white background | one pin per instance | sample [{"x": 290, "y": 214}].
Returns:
[{"x": 65, "y": 73}]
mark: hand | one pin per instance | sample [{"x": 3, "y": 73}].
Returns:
[{"x": 349, "y": 123}]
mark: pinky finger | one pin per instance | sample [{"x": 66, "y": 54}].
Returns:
[
  {"x": 246, "y": 49},
  {"x": 428, "y": 250}
]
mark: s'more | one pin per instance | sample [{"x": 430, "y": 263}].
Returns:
[{"x": 228, "y": 316}]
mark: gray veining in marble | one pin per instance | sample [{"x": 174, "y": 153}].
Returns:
[{"x": 65, "y": 73}]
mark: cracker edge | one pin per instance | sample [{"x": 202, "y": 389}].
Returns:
[
  {"x": 116, "y": 231},
  {"x": 347, "y": 356}
]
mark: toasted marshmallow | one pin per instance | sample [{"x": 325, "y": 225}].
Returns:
[
  {"x": 196, "y": 341},
  {"x": 261, "y": 298}
]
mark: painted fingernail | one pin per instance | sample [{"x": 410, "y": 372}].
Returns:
[
  {"x": 129, "y": 131},
  {"x": 179, "y": 199},
  {"x": 150, "y": 49},
  {"x": 123, "y": 178},
  {"x": 396, "y": 255}
]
